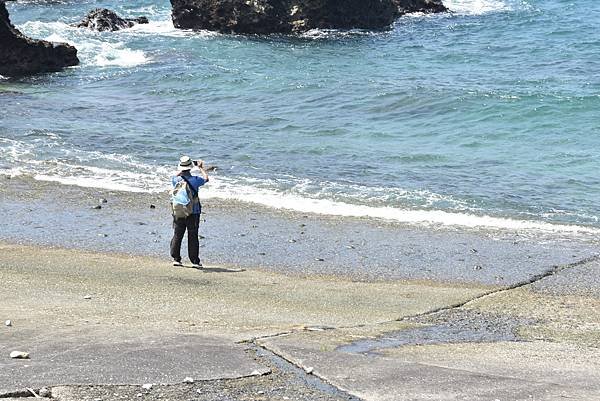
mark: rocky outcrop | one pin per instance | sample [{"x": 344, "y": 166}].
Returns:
[
  {"x": 282, "y": 16},
  {"x": 20, "y": 55},
  {"x": 424, "y": 6},
  {"x": 102, "y": 19},
  {"x": 291, "y": 16}
]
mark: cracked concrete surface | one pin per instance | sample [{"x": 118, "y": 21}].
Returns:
[
  {"x": 90, "y": 318},
  {"x": 554, "y": 354}
]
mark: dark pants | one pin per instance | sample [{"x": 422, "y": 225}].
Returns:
[{"x": 190, "y": 223}]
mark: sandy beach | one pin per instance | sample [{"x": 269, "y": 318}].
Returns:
[{"x": 299, "y": 307}]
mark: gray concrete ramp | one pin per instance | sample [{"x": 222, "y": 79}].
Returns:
[
  {"x": 477, "y": 372},
  {"x": 74, "y": 359}
]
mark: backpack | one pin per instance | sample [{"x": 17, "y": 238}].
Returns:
[{"x": 183, "y": 198}]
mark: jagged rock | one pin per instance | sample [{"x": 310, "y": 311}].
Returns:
[
  {"x": 290, "y": 16},
  {"x": 424, "y": 6},
  {"x": 20, "y": 55},
  {"x": 282, "y": 16},
  {"x": 102, "y": 19}
]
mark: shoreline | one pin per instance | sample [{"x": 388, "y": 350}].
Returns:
[{"x": 253, "y": 236}]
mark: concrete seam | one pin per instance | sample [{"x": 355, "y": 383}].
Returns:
[
  {"x": 538, "y": 277},
  {"x": 313, "y": 374}
]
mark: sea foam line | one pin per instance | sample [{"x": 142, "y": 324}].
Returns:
[
  {"x": 157, "y": 179},
  {"x": 301, "y": 204}
]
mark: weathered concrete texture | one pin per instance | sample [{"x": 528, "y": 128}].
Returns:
[
  {"x": 121, "y": 319},
  {"x": 565, "y": 307},
  {"x": 538, "y": 342},
  {"x": 473, "y": 372},
  {"x": 73, "y": 358}
]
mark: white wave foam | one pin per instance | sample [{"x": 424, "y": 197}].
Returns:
[
  {"x": 335, "y": 33},
  {"x": 124, "y": 173},
  {"x": 165, "y": 28},
  {"x": 476, "y": 7},
  {"x": 117, "y": 55},
  {"x": 220, "y": 189},
  {"x": 93, "y": 48}
]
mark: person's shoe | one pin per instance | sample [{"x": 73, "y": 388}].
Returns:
[
  {"x": 197, "y": 265},
  {"x": 177, "y": 263}
]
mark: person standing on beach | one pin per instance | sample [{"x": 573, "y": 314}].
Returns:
[{"x": 191, "y": 222}]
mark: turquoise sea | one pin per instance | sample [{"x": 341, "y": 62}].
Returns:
[{"x": 485, "y": 116}]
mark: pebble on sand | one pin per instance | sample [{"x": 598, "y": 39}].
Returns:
[
  {"x": 19, "y": 355},
  {"x": 87, "y": 297},
  {"x": 8, "y": 323},
  {"x": 45, "y": 392}
]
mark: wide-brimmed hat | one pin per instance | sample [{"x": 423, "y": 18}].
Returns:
[{"x": 185, "y": 163}]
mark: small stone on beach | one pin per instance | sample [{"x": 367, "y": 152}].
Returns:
[
  {"x": 188, "y": 380},
  {"x": 87, "y": 297},
  {"x": 44, "y": 392},
  {"x": 19, "y": 355},
  {"x": 8, "y": 323}
]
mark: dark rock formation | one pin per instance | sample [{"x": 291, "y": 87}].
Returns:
[
  {"x": 282, "y": 16},
  {"x": 102, "y": 19},
  {"x": 424, "y": 6},
  {"x": 20, "y": 55},
  {"x": 289, "y": 16}
]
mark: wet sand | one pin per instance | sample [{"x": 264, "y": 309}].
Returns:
[{"x": 250, "y": 236}]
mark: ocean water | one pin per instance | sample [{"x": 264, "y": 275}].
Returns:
[{"x": 483, "y": 117}]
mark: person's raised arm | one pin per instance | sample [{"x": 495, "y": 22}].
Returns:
[{"x": 200, "y": 164}]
